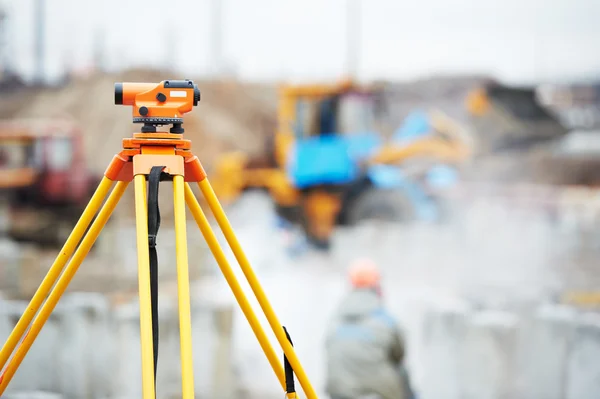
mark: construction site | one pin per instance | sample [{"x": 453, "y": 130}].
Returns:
[{"x": 479, "y": 201}]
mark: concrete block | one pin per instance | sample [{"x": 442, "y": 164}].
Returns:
[
  {"x": 169, "y": 351},
  {"x": 127, "y": 367},
  {"x": 203, "y": 346},
  {"x": 223, "y": 382},
  {"x": 10, "y": 258},
  {"x": 442, "y": 344},
  {"x": 39, "y": 370},
  {"x": 5, "y": 328},
  {"x": 128, "y": 355},
  {"x": 545, "y": 344},
  {"x": 33, "y": 395},
  {"x": 583, "y": 377},
  {"x": 102, "y": 341},
  {"x": 86, "y": 346},
  {"x": 491, "y": 343}
]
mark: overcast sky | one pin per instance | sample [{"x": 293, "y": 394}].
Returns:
[{"x": 516, "y": 40}]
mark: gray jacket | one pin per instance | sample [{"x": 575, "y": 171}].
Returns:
[{"x": 365, "y": 350}]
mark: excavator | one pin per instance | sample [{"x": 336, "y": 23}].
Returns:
[
  {"x": 515, "y": 138},
  {"x": 44, "y": 182},
  {"x": 329, "y": 163}
]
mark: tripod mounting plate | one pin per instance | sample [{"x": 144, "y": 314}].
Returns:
[{"x": 157, "y": 121}]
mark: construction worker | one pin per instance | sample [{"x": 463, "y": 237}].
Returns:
[{"x": 364, "y": 346}]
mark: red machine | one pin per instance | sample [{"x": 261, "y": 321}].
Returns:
[{"x": 44, "y": 179}]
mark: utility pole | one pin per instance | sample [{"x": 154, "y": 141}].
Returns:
[
  {"x": 170, "y": 46},
  {"x": 40, "y": 28},
  {"x": 4, "y": 52},
  {"x": 99, "y": 51},
  {"x": 353, "y": 36},
  {"x": 217, "y": 37}
]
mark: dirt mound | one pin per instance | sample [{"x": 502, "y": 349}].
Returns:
[{"x": 230, "y": 116}]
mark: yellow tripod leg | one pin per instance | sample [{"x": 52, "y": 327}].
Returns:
[
  {"x": 141, "y": 221},
  {"x": 62, "y": 283},
  {"x": 219, "y": 255},
  {"x": 63, "y": 256},
  {"x": 183, "y": 289},
  {"x": 288, "y": 349}
]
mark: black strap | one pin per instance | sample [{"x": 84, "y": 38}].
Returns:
[
  {"x": 289, "y": 371},
  {"x": 153, "y": 226}
]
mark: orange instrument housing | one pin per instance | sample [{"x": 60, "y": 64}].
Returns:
[{"x": 158, "y": 104}]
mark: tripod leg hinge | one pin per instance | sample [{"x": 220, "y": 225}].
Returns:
[
  {"x": 120, "y": 168},
  {"x": 194, "y": 172}
]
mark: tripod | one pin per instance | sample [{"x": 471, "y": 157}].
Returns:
[{"x": 146, "y": 159}]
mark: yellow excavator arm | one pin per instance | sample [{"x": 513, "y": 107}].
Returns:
[
  {"x": 450, "y": 143},
  {"x": 427, "y": 147}
]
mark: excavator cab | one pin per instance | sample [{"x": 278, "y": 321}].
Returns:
[
  {"x": 334, "y": 129},
  {"x": 344, "y": 114},
  {"x": 348, "y": 112}
]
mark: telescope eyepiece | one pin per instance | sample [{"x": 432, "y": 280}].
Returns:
[
  {"x": 196, "y": 95},
  {"x": 118, "y": 93}
]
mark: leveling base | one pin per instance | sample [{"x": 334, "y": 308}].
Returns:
[{"x": 141, "y": 156}]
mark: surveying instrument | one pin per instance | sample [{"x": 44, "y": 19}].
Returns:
[{"x": 146, "y": 159}]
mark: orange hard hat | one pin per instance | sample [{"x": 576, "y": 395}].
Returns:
[{"x": 364, "y": 273}]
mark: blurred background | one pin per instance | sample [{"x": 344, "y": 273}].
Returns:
[{"x": 456, "y": 144}]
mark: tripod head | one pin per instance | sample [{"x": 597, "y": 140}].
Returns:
[{"x": 157, "y": 104}]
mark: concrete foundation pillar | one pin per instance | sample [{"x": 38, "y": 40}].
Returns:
[
  {"x": 39, "y": 369},
  {"x": 5, "y": 327},
  {"x": 203, "y": 346},
  {"x": 491, "y": 344},
  {"x": 546, "y": 341},
  {"x": 86, "y": 341},
  {"x": 444, "y": 332},
  {"x": 223, "y": 379},
  {"x": 33, "y": 395},
  {"x": 169, "y": 352},
  {"x": 583, "y": 367},
  {"x": 10, "y": 259},
  {"x": 127, "y": 358},
  {"x": 127, "y": 372}
]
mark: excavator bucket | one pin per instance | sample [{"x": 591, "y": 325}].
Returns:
[{"x": 510, "y": 118}]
